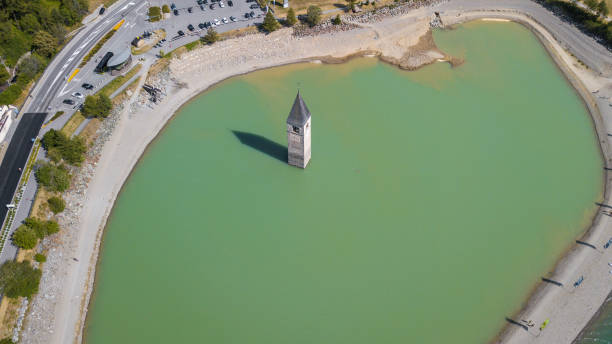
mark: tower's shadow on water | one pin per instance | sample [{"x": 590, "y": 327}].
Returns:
[{"x": 262, "y": 144}]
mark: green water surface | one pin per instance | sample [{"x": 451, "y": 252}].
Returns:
[{"x": 433, "y": 203}]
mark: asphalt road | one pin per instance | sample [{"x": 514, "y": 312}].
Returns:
[{"x": 17, "y": 156}]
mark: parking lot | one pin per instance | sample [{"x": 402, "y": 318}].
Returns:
[
  {"x": 136, "y": 23},
  {"x": 203, "y": 14}
]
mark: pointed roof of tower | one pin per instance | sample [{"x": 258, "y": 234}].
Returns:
[{"x": 299, "y": 114}]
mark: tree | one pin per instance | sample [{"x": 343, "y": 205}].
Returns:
[
  {"x": 351, "y": 4},
  {"x": 51, "y": 227},
  {"x": 313, "y": 15},
  {"x": 270, "y": 23},
  {"x": 7, "y": 341},
  {"x": 29, "y": 67},
  {"x": 44, "y": 44},
  {"x": 41, "y": 228},
  {"x": 29, "y": 23},
  {"x": 4, "y": 75},
  {"x": 165, "y": 9},
  {"x": 39, "y": 258},
  {"x": 602, "y": 8},
  {"x": 19, "y": 279},
  {"x": 592, "y": 4},
  {"x": 97, "y": 106},
  {"x": 25, "y": 237},
  {"x": 52, "y": 177},
  {"x": 59, "y": 146},
  {"x": 291, "y": 19},
  {"x": 56, "y": 204},
  {"x": 211, "y": 36},
  {"x": 337, "y": 20}
]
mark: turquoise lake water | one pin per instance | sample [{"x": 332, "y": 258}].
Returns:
[{"x": 434, "y": 202}]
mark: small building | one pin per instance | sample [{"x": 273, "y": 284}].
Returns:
[
  {"x": 298, "y": 133},
  {"x": 121, "y": 60},
  {"x": 101, "y": 67}
]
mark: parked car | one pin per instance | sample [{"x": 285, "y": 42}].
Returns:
[
  {"x": 78, "y": 95},
  {"x": 212, "y": 6},
  {"x": 181, "y": 33},
  {"x": 221, "y": 4},
  {"x": 252, "y": 14},
  {"x": 190, "y": 27},
  {"x": 102, "y": 11},
  {"x": 254, "y": 6},
  {"x": 202, "y": 7},
  {"x": 87, "y": 86},
  {"x": 173, "y": 6},
  {"x": 68, "y": 101},
  {"x": 190, "y": 9},
  {"x": 232, "y": 18},
  {"x": 199, "y": 2},
  {"x": 247, "y": 16},
  {"x": 217, "y": 21},
  {"x": 230, "y": 3},
  {"x": 201, "y": 25},
  {"x": 225, "y": 21},
  {"x": 176, "y": 13}
]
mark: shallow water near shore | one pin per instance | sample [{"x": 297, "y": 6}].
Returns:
[
  {"x": 599, "y": 329},
  {"x": 433, "y": 203}
]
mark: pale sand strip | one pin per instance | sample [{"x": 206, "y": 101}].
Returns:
[{"x": 63, "y": 323}]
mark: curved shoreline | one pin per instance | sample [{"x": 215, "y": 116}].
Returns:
[{"x": 76, "y": 321}]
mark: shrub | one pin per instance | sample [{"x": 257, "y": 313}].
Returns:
[
  {"x": 337, "y": 20},
  {"x": 19, "y": 279},
  {"x": 6, "y": 341},
  {"x": 44, "y": 44},
  {"x": 56, "y": 204},
  {"x": 51, "y": 227},
  {"x": 291, "y": 19},
  {"x": 25, "y": 237},
  {"x": 97, "y": 106},
  {"x": 154, "y": 14},
  {"x": 54, "y": 178},
  {"x": 313, "y": 15},
  {"x": 211, "y": 36},
  {"x": 39, "y": 258},
  {"x": 165, "y": 9},
  {"x": 41, "y": 228}
]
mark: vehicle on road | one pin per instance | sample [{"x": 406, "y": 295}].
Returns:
[
  {"x": 78, "y": 95},
  {"x": 181, "y": 33},
  {"x": 201, "y": 25},
  {"x": 190, "y": 9},
  {"x": 190, "y": 27},
  {"x": 68, "y": 101},
  {"x": 212, "y": 6},
  {"x": 102, "y": 10},
  {"x": 225, "y": 21},
  {"x": 221, "y": 4},
  {"x": 176, "y": 13},
  {"x": 232, "y": 18},
  {"x": 87, "y": 86},
  {"x": 254, "y": 6}
]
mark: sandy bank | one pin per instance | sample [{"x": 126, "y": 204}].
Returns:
[{"x": 57, "y": 313}]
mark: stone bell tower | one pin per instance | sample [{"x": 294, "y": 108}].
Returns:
[{"x": 298, "y": 133}]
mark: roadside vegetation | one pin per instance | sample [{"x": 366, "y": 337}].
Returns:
[
  {"x": 98, "y": 106},
  {"x": 211, "y": 36},
  {"x": 19, "y": 279},
  {"x": 155, "y": 14},
  {"x": 119, "y": 81},
  {"x": 55, "y": 178},
  {"x": 61, "y": 147},
  {"x": 35, "y": 27},
  {"x": 96, "y": 48},
  {"x": 313, "y": 15},
  {"x": 270, "y": 23},
  {"x": 589, "y": 22}
]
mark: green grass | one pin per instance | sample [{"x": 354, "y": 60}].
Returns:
[
  {"x": 117, "y": 82},
  {"x": 56, "y": 116},
  {"x": 192, "y": 45}
]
